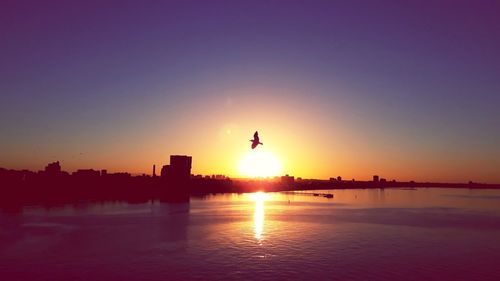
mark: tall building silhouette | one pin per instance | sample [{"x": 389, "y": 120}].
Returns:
[{"x": 179, "y": 168}]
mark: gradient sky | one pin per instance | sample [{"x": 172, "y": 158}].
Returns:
[{"x": 354, "y": 88}]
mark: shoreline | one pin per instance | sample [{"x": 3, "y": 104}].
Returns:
[{"x": 15, "y": 202}]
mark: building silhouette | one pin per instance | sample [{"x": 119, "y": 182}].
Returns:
[
  {"x": 53, "y": 168},
  {"x": 287, "y": 180},
  {"x": 87, "y": 173},
  {"x": 179, "y": 169}
]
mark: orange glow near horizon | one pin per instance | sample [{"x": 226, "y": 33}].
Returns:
[{"x": 302, "y": 137}]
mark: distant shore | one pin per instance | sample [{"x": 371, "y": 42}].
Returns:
[{"x": 20, "y": 188}]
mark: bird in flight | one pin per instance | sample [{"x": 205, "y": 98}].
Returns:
[{"x": 255, "y": 140}]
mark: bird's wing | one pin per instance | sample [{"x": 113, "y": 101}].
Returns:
[{"x": 256, "y": 136}]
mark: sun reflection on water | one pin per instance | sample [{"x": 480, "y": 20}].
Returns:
[{"x": 259, "y": 216}]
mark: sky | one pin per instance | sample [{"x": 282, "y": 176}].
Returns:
[{"x": 408, "y": 91}]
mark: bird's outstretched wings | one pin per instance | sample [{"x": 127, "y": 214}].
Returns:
[{"x": 255, "y": 140}]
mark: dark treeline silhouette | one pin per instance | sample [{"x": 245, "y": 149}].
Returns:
[{"x": 52, "y": 186}]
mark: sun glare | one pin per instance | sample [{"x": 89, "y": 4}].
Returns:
[{"x": 260, "y": 163}]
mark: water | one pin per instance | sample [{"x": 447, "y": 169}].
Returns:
[{"x": 391, "y": 234}]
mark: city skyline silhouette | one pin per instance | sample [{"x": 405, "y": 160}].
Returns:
[{"x": 174, "y": 183}]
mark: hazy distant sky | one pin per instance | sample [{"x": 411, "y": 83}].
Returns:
[{"x": 403, "y": 89}]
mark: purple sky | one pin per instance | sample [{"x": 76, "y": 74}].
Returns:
[{"x": 416, "y": 83}]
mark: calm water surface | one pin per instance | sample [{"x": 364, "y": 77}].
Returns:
[{"x": 391, "y": 234}]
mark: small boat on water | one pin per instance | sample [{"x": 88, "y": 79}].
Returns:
[{"x": 328, "y": 195}]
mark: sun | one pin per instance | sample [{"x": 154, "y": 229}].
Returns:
[{"x": 260, "y": 163}]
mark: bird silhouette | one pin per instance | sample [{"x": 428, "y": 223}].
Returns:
[{"x": 255, "y": 140}]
